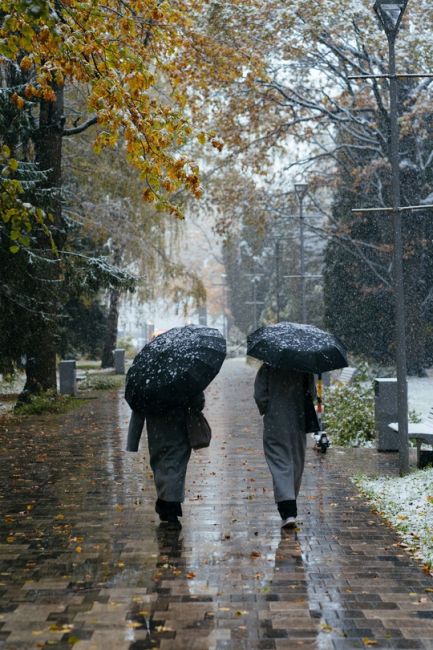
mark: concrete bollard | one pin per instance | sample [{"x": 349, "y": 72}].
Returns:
[
  {"x": 119, "y": 361},
  {"x": 385, "y": 411},
  {"x": 68, "y": 377},
  {"x": 150, "y": 330}
]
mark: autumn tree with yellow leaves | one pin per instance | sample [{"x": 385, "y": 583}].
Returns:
[{"x": 146, "y": 69}]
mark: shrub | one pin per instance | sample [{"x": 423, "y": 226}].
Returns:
[
  {"x": 349, "y": 413},
  {"x": 48, "y": 402},
  {"x": 128, "y": 345}
]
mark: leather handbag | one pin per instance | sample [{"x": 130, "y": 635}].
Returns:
[{"x": 198, "y": 429}]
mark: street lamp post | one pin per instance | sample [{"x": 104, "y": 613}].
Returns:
[
  {"x": 301, "y": 190},
  {"x": 277, "y": 277},
  {"x": 225, "y": 318},
  {"x": 254, "y": 302},
  {"x": 390, "y": 14},
  {"x": 224, "y": 306}
]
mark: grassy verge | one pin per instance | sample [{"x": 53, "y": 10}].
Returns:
[
  {"x": 48, "y": 403},
  {"x": 53, "y": 403},
  {"x": 406, "y": 503},
  {"x": 88, "y": 365},
  {"x": 101, "y": 382}
]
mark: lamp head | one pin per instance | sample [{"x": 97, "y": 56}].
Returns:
[
  {"x": 390, "y": 13},
  {"x": 301, "y": 190}
]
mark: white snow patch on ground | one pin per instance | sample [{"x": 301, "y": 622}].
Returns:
[
  {"x": 407, "y": 504},
  {"x": 420, "y": 394}
]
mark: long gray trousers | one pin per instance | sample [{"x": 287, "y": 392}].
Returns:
[
  {"x": 169, "y": 456},
  {"x": 169, "y": 450},
  {"x": 285, "y": 455}
]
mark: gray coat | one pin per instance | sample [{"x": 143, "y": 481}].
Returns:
[
  {"x": 169, "y": 448},
  {"x": 280, "y": 398}
]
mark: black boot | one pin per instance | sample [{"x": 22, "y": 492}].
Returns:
[{"x": 169, "y": 511}]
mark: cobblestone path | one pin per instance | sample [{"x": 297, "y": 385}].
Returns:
[{"x": 84, "y": 564}]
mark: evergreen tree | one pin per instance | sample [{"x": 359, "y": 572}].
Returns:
[{"x": 359, "y": 285}]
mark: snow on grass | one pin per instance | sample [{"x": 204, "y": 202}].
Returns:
[
  {"x": 407, "y": 504},
  {"x": 420, "y": 393}
]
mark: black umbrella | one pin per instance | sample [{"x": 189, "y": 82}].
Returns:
[
  {"x": 174, "y": 367},
  {"x": 294, "y": 346}
]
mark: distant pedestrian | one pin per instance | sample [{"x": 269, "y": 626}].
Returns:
[
  {"x": 285, "y": 399},
  {"x": 169, "y": 452}
]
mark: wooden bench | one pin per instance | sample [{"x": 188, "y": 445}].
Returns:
[
  {"x": 347, "y": 375},
  {"x": 422, "y": 434}
]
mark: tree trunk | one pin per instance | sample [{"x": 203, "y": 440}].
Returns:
[
  {"x": 41, "y": 368},
  {"x": 41, "y": 347},
  {"x": 107, "y": 359}
]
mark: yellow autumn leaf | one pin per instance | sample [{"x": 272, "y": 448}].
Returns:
[
  {"x": 326, "y": 627},
  {"x": 148, "y": 95},
  {"x": 26, "y": 63}
]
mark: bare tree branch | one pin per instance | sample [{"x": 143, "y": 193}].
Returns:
[{"x": 82, "y": 127}]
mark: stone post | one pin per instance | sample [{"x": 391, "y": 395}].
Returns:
[
  {"x": 119, "y": 361},
  {"x": 385, "y": 411},
  {"x": 150, "y": 329},
  {"x": 68, "y": 377}
]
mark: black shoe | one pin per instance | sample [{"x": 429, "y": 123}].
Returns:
[
  {"x": 173, "y": 523},
  {"x": 168, "y": 512},
  {"x": 289, "y": 523}
]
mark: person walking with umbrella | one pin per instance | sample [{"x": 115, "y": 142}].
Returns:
[
  {"x": 284, "y": 390},
  {"x": 164, "y": 386}
]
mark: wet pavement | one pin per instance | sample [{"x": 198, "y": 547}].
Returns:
[{"x": 84, "y": 563}]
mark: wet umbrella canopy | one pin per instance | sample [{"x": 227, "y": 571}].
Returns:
[
  {"x": 174, "y": 367},
  {"x": 294, "y": 346}
]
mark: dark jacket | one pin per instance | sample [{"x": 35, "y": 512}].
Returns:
[
  {"x": 280, "y": 396},
  {"x": 166, "y": 424}
]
